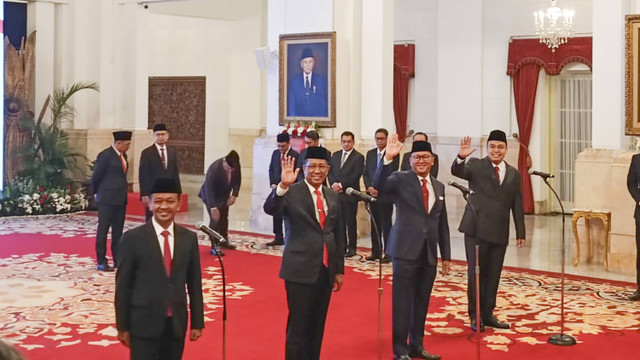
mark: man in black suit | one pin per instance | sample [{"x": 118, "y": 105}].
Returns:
[
  {"x": 275, "y": 170},
  {"x": 406, "y": 165},
  {"x": 382, "y": 209},
  {"x": 109, "y": 187},
  {"x": 219, "y": 191},
  {"x": 346, "y": 169},
  {"x": 633, "y": 184},
  {"x": 313, "y": 257},
  {"x": 497, "y": 192},
  {"x": 420, "y": 228},
  {"x": 311, "y": 139},
  {"x": 157, "y": 161},
  {"x": 158, "y": 259}
]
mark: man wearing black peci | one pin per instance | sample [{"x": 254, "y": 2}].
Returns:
[
  {"x": 275, "y": 170},
  {"x": 406, "y": 165},
  {"x": 419, "y": 230},
  {"x": 346, "y": 170},
  {"x": 497, "y": 193},
  {"x": 313, "y": 256},
  {"x": 109, "y": 186},
  {"x": 158, "y": 262}
]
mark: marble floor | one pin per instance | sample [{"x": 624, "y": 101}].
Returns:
[{"x": 541, "y": 252}]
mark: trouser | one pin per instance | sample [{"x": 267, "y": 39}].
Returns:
[
  {"x": 349, "y": 210},
  {"x": 382, "y": 213},
  {"x": 308, "y": 305},
  {"x": 277, "y": 227},
  {"x": 221, "y": 226},
  {"x": 165, "y": 347},
  {"x": 491, "y": 260},
  {"x": 109, "y": 216},
  {"x": 412, "y": 285},
  {"x": 638, "y": 252}
]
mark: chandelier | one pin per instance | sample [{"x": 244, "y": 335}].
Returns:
[{"x": 554, "y": 26}]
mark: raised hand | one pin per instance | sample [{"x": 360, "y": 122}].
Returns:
[
  {"x": 465, "y": 147},
  {"x": 393, "y": 147},
  {"x": 289, "y": 173}
]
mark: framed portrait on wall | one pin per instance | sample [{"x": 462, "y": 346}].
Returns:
[
  {"x": 308, "y": 78},
  {"x": 632, "y": 73}
]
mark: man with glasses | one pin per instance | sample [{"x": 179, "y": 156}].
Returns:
[
  {"x": 406, "y": 165},
  {"x": 419, "y": 230},
  {"x": 382, "y": 209},
  {"x": 497, "y": 193}
]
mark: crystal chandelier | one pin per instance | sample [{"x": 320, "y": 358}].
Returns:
[{"x": 557, "y": 28}]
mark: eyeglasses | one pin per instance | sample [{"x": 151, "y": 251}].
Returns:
[
  {"x": 316, "y": 167},
  {"x": 421, "y": 157}
]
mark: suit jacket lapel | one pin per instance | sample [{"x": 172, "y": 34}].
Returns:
[
  {"x": 154, "y": 245},
  {"x": 308, "y": 203},
  {"x": 416, "y": 188},
  {"x": 332, "y": 204}
]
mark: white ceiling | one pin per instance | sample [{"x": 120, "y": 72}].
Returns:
[{"x": 212, "y": 9}]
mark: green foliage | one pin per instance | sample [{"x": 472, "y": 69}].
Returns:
[
  {"x": 48, "y": 155},
  {"x": 24, "y": 197}
]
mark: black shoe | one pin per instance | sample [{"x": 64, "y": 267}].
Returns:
[
  {"x": 227, "y": 245},
  {"x": 495, "y": 323},
  {"x": 350, "y": 253},
  {"x": 401, "y": 357},
  {"x": 275, "y": 243},
  {"x": 104, "y": 267},
  {"x": 635, "y": 296},
  {"x": 474, "y": 327},
  {"x": 385, "y": 260},
  {"x": 373, "y": 257},
  {"x": 423, "y": 354}
]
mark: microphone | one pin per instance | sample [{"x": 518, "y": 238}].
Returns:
[
  {"x": 543, "y": 175},
  {"x": 365, "y": 197},
  {"x": 465, "y": 191},
  {"x": 207, "y": 230}
]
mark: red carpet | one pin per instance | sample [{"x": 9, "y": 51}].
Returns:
[{"x": 54, "y": 305}]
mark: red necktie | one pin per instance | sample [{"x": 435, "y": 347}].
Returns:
[
  {"x": 124, "y": 164},
  {"x": 167, "y": 261},
  {"x": 164, "y": 160},
  {"x": 322, "y": 217},
  {"x": 425, "y": 195},
  {"x": 497, "y": 169}
]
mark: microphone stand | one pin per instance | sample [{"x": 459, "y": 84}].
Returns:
[
  {"x": 224, "y": 298},
  {"x": 367, "y": 205},
  {"x": 561, "y": 339},
  {"x": 477, "y": 267}
]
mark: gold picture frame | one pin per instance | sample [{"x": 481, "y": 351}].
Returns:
[
  {"x": 632, "y": 75},
  {"x": 310, "y": 98}
]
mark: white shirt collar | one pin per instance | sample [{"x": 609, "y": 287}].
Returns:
[
  {"x": 117, "y": 152},
  {"x": 159, "y": 229},
  {"x": 160, "y": 147}
]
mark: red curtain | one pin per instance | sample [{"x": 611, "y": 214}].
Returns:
[
  {"x": 403, "y": 71},
  {"x": 526, "y": 56},
  {"x": 525, "y": 83}
]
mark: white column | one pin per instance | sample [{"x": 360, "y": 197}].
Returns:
[
  {"x": 608, "y": 73},
  {"x": 460, "y": 67},
  {"x": 40, "y": 18},
  {"x": 377, "y": 67},
  {"x": 276, "y": 26}
]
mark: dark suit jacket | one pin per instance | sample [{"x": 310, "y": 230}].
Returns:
[
  {"x": 108, "y": 181},
  {"x": 633, "y": 182},
  {"x": 151, "y": 168},
  {"x": 275, "y": 167},
  {"x": 407, "y": 166},
  {"x": 216, "y": 189},
  {"x": 143, "y": 289},
  {"x": 414, "y": 228},
  {"x": 304, "y": 240},
  {"x": 370, "y": 167},
  {"x": 350, "y": 173},
  {"x": 491, "y": 201},
  {"x": 299, "y": 103}
]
